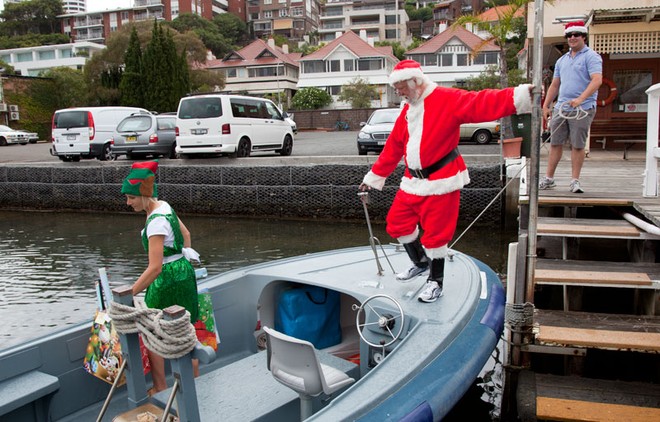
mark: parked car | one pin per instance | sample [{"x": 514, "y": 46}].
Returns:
[
  {"x": 289, "y": 119},
  {"x": 11, "y": 136},
  {"x": 376, "y": 130},
  {"x": 86, "y": 132},
  {"x": 140, "y": 134}
]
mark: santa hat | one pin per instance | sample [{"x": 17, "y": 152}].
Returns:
[
  {"x": 404, "y": 70},
  {"x": 141, "y": 180},
  {"x": 577, "y": 26}
]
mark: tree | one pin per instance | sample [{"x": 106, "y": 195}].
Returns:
[
  {"x": 31, "y": 17},
  {"x": 131, "y": 87},
  {"x": 500, "y": 31},
  {"x": 68, "y": 85},
  {"x": 206, "y": 30},
  {"x": 231, "y": 27},
  {"x": 490, "y": 78},
  {"x": 311, "y": 98},
  {"x": 359, "y": 93},
  {"x": 397, "y": 49}
]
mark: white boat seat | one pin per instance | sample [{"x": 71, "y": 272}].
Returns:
[{"x": 294, "y": 363}]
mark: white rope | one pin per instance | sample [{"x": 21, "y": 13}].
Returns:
[{"x": 170, "y": 339}]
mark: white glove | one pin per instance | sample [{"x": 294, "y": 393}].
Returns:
[{"x": 191, "y": 254}]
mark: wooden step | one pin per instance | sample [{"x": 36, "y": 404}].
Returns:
[
  {"x": 597, "y": 273},
  {"x": 582, "y": 227},
  {"x": 601, "y": 331},
  {"x": 553, "y": 397}
]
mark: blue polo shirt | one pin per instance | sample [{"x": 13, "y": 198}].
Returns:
[{"x": 575, "y": 74}]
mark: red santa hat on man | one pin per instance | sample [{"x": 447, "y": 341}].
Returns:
[
  {"x": 404, "y": 70},
  {"x": 577, "y": 26}
]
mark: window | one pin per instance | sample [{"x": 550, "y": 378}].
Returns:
[
  {"x": 446, "y": 60},
  {"x": 66, "y": 53},
  {"x": 254, "y": 16},
  {"x": 349, "y": 65},
  {"x": 334, "y": 66},
  {"x": 284, "y": 13},
  {"x": 200, "y": 108},
  {"x": 334, "y": 90},
  {"x": 390, "y": 19},
  {"x": 231, "y": 73},
  {"x": 268, "y": 14},
  {"x": 24, "y": 57},
  {"x": 430, "y": 59},
  {"x": 316, "y": 66},
  {"x": 370, "y": 64},
  {"x": 268, "y": 1},
  {"x": 631, "y": 86},
  {"x": 262, "y": 71},
  {"x": 47, "y": 55},
  {"x": 297, "y": 11},
  {"x": 486, "y": 58},
  {"x": 390, "y": 34},
  {"x": 461, "y": 60}
]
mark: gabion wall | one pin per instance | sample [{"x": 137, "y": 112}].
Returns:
[{"x": 327, "y": 191}]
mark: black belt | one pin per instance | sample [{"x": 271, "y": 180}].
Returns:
[{"x": 426, "y": 172}]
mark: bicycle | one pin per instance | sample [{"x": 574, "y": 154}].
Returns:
[{"x": 340, "y": 125}]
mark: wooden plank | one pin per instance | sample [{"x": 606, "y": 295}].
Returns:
[
  {"x": 583, "y": 201},
  {"x": 602, "y": 339},
  {"x": 587, "y": 227},
  {"x": 599, "y": 321},
  {"x": 573, "y": 410},
  {"x": 595, "y": 278}
]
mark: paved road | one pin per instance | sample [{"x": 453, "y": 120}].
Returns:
[{"x": 306, "y": 144}]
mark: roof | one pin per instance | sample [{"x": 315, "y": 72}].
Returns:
[
  {"x": 627, "y": 15},
  {"x": 472, "y": 41},
  {"x": 257, "y": 53},
  {"x": 493, "y": 14},
  {"x": 356, "y": 45}
]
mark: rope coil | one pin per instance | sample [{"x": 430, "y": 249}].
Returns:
[
  {"x": 170, "y": 339},
  {"x": 519, "y": 316}
]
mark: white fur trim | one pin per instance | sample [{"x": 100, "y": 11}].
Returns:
[
  {"x": 426, "y": 187},
  {"x": 373, "y": 180},
  {"x": 405, "y": 74},
  {"x": 522, "y": 99},
  {"x": 437, "y": 253},
  {"x": 409, "y": 238},
  {"x": 581, "y": 29}
]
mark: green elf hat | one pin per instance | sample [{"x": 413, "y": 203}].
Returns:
[{"x": 141, "y": 180}]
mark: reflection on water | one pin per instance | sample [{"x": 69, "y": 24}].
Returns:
[{"x": 49, "y": 261}]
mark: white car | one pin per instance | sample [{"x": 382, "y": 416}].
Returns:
[
  {"x": 11, "y": 136},
  {"x": 289, "y": 118}
]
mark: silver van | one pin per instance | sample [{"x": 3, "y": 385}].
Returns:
[
  {"x": 86, "y": 132},
  {"x": 230, "y": 124}
]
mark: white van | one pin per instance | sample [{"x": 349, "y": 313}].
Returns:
[
  {"x": 86, "y": 132},
  {"x": 230, "y": 124}
]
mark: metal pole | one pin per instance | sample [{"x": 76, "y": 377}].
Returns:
[{"x": 535, "y": 151}]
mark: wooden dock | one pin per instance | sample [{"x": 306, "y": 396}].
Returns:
[{"x": 596, "y": 291}]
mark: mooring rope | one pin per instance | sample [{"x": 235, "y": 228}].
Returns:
[{"x": 170, "y": 339}]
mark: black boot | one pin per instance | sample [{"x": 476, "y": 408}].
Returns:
[
  {"x": 432, "y": 291},
  {"x": 418, "y": 257}
]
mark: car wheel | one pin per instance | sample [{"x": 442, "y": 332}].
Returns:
[
  {"x": 287, "y": 147},
  {"x": 482, "y": 137},
  {"x": 106, "y": 153},
  {"x": 243, "y": 148},
  {"x": 3, "y": 142},
  {"x": 24, "y": 143},
  {"x": 173, "y": 155},
  {"x": 33, "y": 141},
  {"x": 362, "y": 151}
]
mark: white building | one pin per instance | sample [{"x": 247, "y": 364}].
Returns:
[
  {"x": 69, "y": 6},
  {"x": 32, "y": 61}
]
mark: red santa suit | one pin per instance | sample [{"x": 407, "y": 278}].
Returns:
[{"x": 426, "y": 131}]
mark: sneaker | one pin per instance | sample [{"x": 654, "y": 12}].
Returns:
[
  {"x": 431, "y": 292},
  {"x": 547, "y": 183},
  {"x": 575, "y": 186},
  {"x": 411, "y": 272}
]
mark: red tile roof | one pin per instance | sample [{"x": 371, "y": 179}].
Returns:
[
  {"x": 256, "y": 53},
  {"x": 493, "y": 14},
  {"x": 352, "y": 42},
  {"x": 466, "y": 37}
]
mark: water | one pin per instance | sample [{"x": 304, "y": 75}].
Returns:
[{"x": 49, "y": 261}]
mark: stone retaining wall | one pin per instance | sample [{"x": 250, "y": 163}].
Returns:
[{"x": 324, "y": 191}]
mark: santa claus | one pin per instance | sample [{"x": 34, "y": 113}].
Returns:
[{"x": 426, "y": 135}]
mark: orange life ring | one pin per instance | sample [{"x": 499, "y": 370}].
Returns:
[{"x": 611, "y": 97}]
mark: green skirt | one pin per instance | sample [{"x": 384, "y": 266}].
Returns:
[{"x": 176, "y": 285}]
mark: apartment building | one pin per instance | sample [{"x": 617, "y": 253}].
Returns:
[
  {"x": 97, "y": 26},
  {"x": 33, "y": 61},
  {"x": 292, "y": 19},
  {"x": 382, "y": 20}
]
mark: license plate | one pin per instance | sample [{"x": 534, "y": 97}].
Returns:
[
  {"x": 131, "y": 139},
  {"x": 381, "y": 143},
  {"x": 70, "y": 137},
  {"x": 199, "y": 131}
]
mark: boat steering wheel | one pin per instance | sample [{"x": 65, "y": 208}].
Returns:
[{"x": 385, "y": 321}]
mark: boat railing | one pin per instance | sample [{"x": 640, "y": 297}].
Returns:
[{"x": 182, "y": 369}]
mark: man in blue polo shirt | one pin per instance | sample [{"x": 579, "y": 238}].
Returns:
[{"x": 578, "y": 75}]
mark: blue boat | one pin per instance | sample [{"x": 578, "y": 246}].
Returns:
[{"x": 409, "y": 360}]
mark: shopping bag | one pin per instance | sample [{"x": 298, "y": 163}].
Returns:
[
  {"x": 103, "y": 356},
  {"x": 205, "y": 326}
]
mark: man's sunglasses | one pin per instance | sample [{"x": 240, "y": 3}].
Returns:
[{"x": 574, "y": 34}]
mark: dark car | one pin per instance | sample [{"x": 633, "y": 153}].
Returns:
[
  {"x": 376, "y": 130},
  {"x": 142, "y": 134}
]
